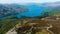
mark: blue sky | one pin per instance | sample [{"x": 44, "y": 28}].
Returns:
[{"x": 26, "y": 1}]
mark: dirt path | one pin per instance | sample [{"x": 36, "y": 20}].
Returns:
[
  {"x": 12, "y": 31},
  {"x": 49, "y": 28}
]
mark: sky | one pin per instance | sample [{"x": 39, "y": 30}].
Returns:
[{"x": 26, "y": 1}]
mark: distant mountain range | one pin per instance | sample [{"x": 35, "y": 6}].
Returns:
[
  {"x": 33, "y": 8},
  {"x": 10, "y": 9},
  {"x": 46, "y": 4}
]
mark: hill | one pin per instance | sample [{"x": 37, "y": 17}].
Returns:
[{"x": 11, "y": 9}]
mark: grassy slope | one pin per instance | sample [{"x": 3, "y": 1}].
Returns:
[{"x": 7, "y": 24}]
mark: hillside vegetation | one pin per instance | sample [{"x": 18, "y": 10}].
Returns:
[{"x": 7, "y": 23}]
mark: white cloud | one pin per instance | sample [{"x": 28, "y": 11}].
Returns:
[{"x": 26, "y": 1}]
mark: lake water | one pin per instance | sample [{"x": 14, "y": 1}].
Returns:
[{"x": 32, "y": 12}]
